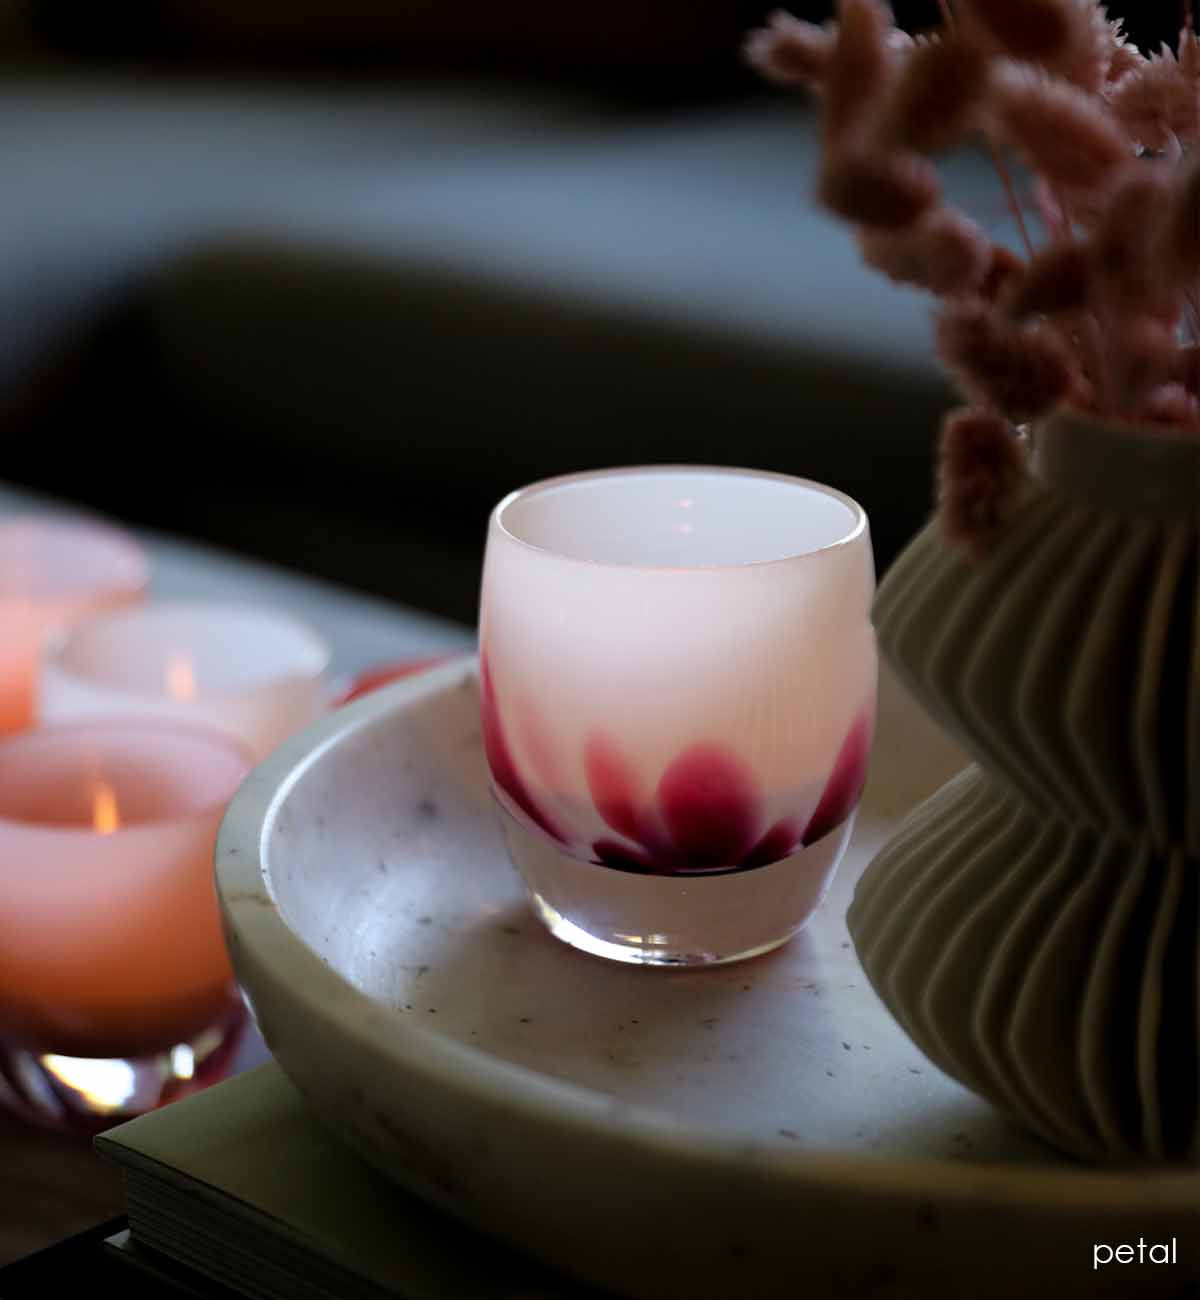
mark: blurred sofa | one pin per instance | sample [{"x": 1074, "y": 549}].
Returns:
[{"x": 330, "y": 319}]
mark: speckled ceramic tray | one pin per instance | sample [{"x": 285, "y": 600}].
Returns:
[{"x": 762, "y": 1129}]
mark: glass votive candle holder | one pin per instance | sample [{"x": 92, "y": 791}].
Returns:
[
  {"x": 116, "y": 991},
  {"x": 255, "y": 673},
  {"x": 54, "y": 571},
  {"x": 678, "y": 677}
]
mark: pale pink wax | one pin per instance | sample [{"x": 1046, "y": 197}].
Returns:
[
  {"x": 53, "y": 572},
  {"x": 110, "y": 939}
]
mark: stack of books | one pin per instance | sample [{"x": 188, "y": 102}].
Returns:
[{"x": 240, "y": 1191}]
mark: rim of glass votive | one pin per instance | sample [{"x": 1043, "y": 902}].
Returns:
[
  {"x": 61, "y": 643},
  {"x": 120, "y": 541},
  {"x": 856, "y": 531},
  {"x": 211, "y": 736}
]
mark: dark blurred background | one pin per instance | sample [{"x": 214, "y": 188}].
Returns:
[{"x": 321, "y": 281}]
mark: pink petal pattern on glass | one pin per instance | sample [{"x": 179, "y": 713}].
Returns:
[
  {"x": 845, "y": 786},
  {"x": 706, "y": 814},
  {"x": 500, "y": 758},
  {"x": 711, "y": 805},
  {"x": 706, "y": 817},
  {"x": 613, "y": 785},
  {"x": 537, "y": 742},
  {"x": 777, "y": 843},
  {"x": 622, "y": 858}
]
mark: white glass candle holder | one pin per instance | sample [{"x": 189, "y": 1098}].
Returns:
[
  {"x": 678, "y": 677},
  {"x": 115, "y": 988},
  {"x": 55, "y": 571},
  {"x": 254, "y": 673}
]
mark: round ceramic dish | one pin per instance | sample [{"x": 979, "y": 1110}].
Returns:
[{"x": 762, "y": 1129}]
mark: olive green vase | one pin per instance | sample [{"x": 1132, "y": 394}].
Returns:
[{"x": 1034, "y": 926}]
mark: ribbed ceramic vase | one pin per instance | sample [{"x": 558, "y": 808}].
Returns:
[{"x": 1034, "y": 926}]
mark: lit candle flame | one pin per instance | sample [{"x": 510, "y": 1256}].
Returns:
[
  {"x": 106, "y": 817},
  {"x": 181, "y": 679}
]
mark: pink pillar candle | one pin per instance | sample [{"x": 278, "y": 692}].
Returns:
[
  {"x": 110, "y": 942},
  {"x": 53, "y": 572}
]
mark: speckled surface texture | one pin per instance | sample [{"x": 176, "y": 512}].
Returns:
[
  {"x": 661, "y": 1132},
  {"x": 402, "y": 885}
]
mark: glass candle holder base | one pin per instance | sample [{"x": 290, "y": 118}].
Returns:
[
  {"x": 86, "y": 1095},
  {"x": 683, "y": 920}
]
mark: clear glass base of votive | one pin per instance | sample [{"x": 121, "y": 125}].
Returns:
[
  {"x": 86, "y": 1095},
  {"x": 672, "y": 920}
]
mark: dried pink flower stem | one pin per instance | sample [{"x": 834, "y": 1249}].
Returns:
[
  {"x": 1060, "y": 199},
  {"x": 1099, "y": 357},
  {"x": 1010, "y": 193},
  {"x": 1094, "y": 325},
  {"x": 1100, "y": 313}
]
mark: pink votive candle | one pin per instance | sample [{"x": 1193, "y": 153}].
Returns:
[
  {"x": 53, "y": 572},
  {"x": 253, "y": 672},
  {"x": 110, "y": 942}
]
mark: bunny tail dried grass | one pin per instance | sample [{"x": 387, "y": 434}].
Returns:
[
  {"x": 877, "y": 190},
  {"x": 1127, "y": 230},
  {"x": 791, "y": 53},
  {"x": 1004, "y": 268},
  {"x": 937, "y": 95},
  {"x": 1180, "y": 243},
  {"x": 1070, "y": 38},
  {"x": 1036, "y": 30},
  {"x": 943, "y": 252},
  {"x": 1142, "y": 351},
  {"x": 860, "y": 68},
  {"x": 1019, "y": 370},
  {"x": 1160, "y": 99},
  {"x": 1172, "y": 404},
  {"x": 1059, "y": 131},
  {"x": 1185, "y": 368},
  {"x": 1094, "y": 44},
  {"x": 1123, "y": 57},
  {"x": 981, "y": 474},
  {"x": 1059, "y": 279}
]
